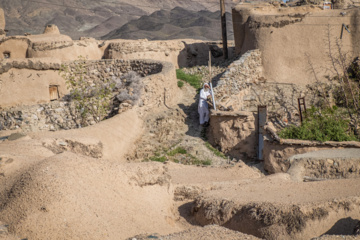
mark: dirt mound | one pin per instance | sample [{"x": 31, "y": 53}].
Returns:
[
  {"x": 68, "y": 196},
  {"x": 275, "y": 207}
]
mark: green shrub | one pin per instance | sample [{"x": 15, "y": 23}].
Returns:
[
  {"x": 195, "y": 161},
  {"x": 158, "y": 159},
  {"x": 321, "y": 125},
  {"x": 193, "y": 80},
  {"x": 214, "y": 150},
  {"x": 180, "y": 84},
  {"x": 177, "y": 150}
]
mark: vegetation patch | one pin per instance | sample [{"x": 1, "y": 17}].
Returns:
[
  {"x": 193, "y": 80},
  {"x": 321, "y": 125},
  {"x": 180, "y": 84},
  {"x": 215, "y": 151},
  {"x": 91, "y": 99},
  {"x": 158, "y": 159},
  {"x": 177, "y": 150},
  {"x": 178, "y": 155}
]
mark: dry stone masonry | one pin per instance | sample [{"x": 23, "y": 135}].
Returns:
[
  {"x": 61, "y": 114},
  {"x": 243, "y": 87}
]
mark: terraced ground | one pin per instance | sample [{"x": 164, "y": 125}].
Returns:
[{"x": 98, "y": 183}]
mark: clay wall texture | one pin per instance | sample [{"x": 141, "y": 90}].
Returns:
[
  {"x": 234, "y": 133},
  {"x": 16, "y": 47},
  {"x": 289, "y": 38},
  {"x": 61, "y": 114},
  {"x": 277, "y": 152},
  {"x": 243, "y": 87},
  {"x": 181, "y": 53}
]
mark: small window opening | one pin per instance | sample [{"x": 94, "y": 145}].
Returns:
[
  {"x": 6, "y": 54},
  {"x": 54, "y": 92}
]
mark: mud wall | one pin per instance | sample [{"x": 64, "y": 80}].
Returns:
[
  {"x": 234, "y": 133},
  {"x": 159, "y": 88},
  {"x": 289, "y": 38},
  {"x": 180, "y": 53},
  {"x": 277, "y": 153},
  {"x": 26, "y": 82},
  {"x": 13, "y": 48},
  {"x": 66, "y": 50}
]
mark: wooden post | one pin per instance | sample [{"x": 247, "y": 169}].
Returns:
[
  {"x": 210, "y": 80},
  {"x": 223, "y": 29}
]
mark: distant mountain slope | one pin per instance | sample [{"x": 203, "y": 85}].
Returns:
[
  {"x": 174, "y": 24},
  {"x": 88, "y": 18}
]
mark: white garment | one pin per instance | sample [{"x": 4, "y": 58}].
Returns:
[{"x": 203, "y": 106}]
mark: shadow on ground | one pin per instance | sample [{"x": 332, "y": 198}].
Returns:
[
  {"x": 344, "y": 226},
  {"x": 185, "y": 211}
]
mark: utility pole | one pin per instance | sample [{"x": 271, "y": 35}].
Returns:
[{"x": 223, "y": 29}]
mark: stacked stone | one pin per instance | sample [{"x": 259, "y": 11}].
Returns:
[
  {"x": 244, "y": 88},
  {"x": 58, "y": 115},
  {"x": 242, "y": 73},
  {"x": 110, "y": 69},
  {"x": 53, "y": 116},
  {"x": 36, "y": 64},
  {"x": 45, "y": 46},
  {"x": 144, "y": 46}
]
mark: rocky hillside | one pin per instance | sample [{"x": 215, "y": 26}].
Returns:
[
  {"x": 177, "y": 23},
  {"x": 92, "y": 18}
]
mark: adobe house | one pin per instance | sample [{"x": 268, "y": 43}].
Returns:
[
  {"x": 280, "y": 49},
  {"x": 292, "y": 40}
]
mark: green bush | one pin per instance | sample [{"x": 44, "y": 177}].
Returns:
[
  {"x": 193, "y": 80},
  {"x": 321, "y": 125},
  {"x": 158, "y": 159},
  {"x": 177, "y": 150},
  {"x": 180, "y": 84},
  {"x": 214, "y": 150}
]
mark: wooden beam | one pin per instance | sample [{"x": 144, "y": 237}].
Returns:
[{"x": 223, "y": 29}]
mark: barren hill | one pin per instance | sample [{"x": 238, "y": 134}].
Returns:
[
  {"x": 88, "y": 18},
  {"x": 174, "y": 24}
]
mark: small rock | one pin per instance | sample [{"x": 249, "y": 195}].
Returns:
[{"x": 61, "y": 143}]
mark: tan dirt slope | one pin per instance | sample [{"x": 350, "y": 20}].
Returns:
[{"x": 78, "y": 184}]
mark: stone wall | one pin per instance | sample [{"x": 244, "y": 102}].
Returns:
[
  {"x": 277, "y": 151},
  {"x": 61, "y": 114},
  {"x": 243, "y": 87},
  {"x": 186, "y": 53},
  {"x": 33, "y": 64},
  {"x": 181, "y": 53},
  {"x": 53, "y": 116},
  {"x": 66, "y": 50},
  {"x": 234, "y": 133},
  {"x": 327, "y": 164}
]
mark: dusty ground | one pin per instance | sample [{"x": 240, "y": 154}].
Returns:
[{"x": 93, "y": 183}]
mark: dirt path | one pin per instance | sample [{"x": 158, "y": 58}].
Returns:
[{"x": 176, "y": 127}]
